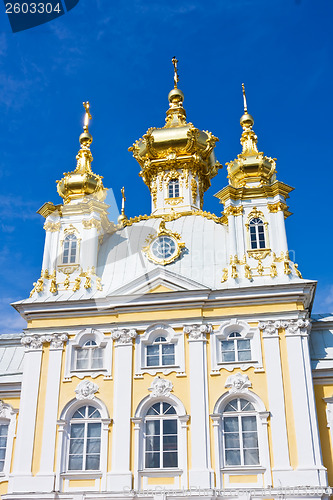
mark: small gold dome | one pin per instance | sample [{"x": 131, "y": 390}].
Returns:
[
  {"x": 82, "y": 181},
  {"x": 247, "y": 120}
]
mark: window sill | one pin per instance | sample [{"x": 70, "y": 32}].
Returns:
[
  {"x": 161, "y": 472},
  {"x": 84, "y": 474},
  {"x": 248, "y": 469},
  {"x": 238, "y": 363}
]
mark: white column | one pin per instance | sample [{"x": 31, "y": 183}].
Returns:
[
  {"x": 281, "y": 232},
  {"x": 21, "y": 479},
  {"x": 46, "y": 473},
  {"x": 47, "y": 250},
  {"x": 232, "y": 236},
  {"x": 310, "y": 470},
  {"x": 201, "y": 473},
  {"x": 90, "y": 245},
  {"x": 282, "y": 468},
  {"x": 120, "y": 476},
  {"x": 216, "y": 418}
]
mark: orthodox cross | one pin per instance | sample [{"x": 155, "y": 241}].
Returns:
[
  {"x": 87, "y": 116},
  {"x": 175, "y": 76}
]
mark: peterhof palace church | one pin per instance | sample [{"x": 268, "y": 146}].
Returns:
[{"x": 173, "y": 354}]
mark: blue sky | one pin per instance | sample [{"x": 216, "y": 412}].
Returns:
[{"x": 117, "y": 54}]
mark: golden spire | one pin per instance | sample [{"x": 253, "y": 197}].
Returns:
[
  {"x": 244, "y": 98},
  {"x": 176, "y": 114},
  {"x": 175, "y": 76},
  {"x": 250, "y": 168},
  {"x": 82, "y": 181},
  {"x": 122, "y": 217}
]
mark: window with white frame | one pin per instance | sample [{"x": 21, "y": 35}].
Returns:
[
  {"x": 173, "y": 188},
  {"x": 234, "y": 343},
  {"x": 235, "y": 348},
  {"x": 3, "y": 444},
  {"x": 240, "y": 433},
  {"x": 257, "y": 233},
  {"x": 161, "y": 436},
  {"x": 85, "y": 439},
  {"x": 160, "y": 353},
  {"x": 70, "y": 249},
  {"x": 89, "y": 356},
  {"x": 160, "y": 349},
  {"x": 88, "y": 353}
]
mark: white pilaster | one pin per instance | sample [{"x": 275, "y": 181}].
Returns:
[
  {"x": 310, "y": 470},
  {"x": 90, "y": 246},
  {"x": 21, "y": 479},
  {"x": 201, "y": 473},
  {"x": 45, "y": 477},
  {"x": 121, "y": 477},
  {"x": 282, "y": 468},
  {"x": 232, "y": 236}
]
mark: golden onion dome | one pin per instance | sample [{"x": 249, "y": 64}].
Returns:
[
  {"x": 176, "y": 145},
  {"x": 251, "y": 168},
  {"x": 82, "y": 181}
]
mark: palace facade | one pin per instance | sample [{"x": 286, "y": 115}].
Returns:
[{"x": 170, "y": 354}]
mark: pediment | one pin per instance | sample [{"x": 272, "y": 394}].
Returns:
[{"x": 159, "y": 281}]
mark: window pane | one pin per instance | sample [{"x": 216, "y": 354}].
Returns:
[
  {"x": 80, "y": 413},
  {"x": 152, "y": 350},
  {"x": 92, "y": 462},
  {"x": 2, "y": 464},
  {"x": 75, "y": 462},
  {"x": 168, "y": 360},
  {"x": 3, "y": 441},
  {"x": 77, "y": 430},
  {"x": 251, "y": 457},
  {"x": 170, "y": 459},
  {"x": 168, "y": 348},
  {"x": 3, "y": 430},
  {"x": 232, "y": 457},
  {"x": 232, "y": 406},
  {"x": 97, "y": 358},
  {"x": 170, "y": 427},
  {"x": 82, "y": 359},
  {"x": 2, "y": 453},
  {"x": 168, "y": 409},
  {"x": 231, "y": 440},
  {"x": 76, "y": 446},
  {"x": 154, "y": 410},
  {"x": 93, "y": 445},
  {"x": 93, "y": 412},
  {"x": 153, "y": 361},
  {"x": 169, "y": 443},
  {"x": 228, "y": 356},
  {"x": 230, "y": 424},
  {"x": 94, "y": 430},
  {"x": 152, "y": 460},
  {"x": 228, "y": 345},
  {"x": 246, "y": 405},
  {"x": 249, "y": 423},
  {"x": 153, "y": 443},
  {"x": 153, "y": 428},
  {"x": 250, "y": 440}
]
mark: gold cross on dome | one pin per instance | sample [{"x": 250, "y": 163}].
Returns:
[
  {"x": 87, "y": 115},
  {"x": 244, "y": 98},
  {"x": 175, "y": 76}
]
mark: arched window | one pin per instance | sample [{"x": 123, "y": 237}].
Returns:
[
  {"x": 240, "y": 433},
  {"x": 174, "y": 188},
  {"x": 160, "y": 353},
  {"x": 161, "y": 436},
  {"x": 257, "y": 233},
  {"x": 85, "y": 439},
  {"x": 89, "y": 356},
  {"x": 236, "y": 348},
  {"x": 70, "y": 249}
]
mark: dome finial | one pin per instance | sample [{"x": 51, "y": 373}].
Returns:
[
  {"x": 122, "y": 217},
  {"x": 175, "y": 76},
  {"x": 244, "y": 98},
  {"x": 87, "y": 116}
]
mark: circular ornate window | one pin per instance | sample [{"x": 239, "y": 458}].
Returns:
[{"x": 164, "y": 247}]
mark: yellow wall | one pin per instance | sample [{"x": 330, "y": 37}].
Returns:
[{"x": 321, "y": 392}]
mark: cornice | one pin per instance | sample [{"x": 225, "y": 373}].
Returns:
[
  {"x": 243, "y": 193},
  {"x": 299, "y": 292}
]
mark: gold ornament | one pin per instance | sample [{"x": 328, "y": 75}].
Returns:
[
  {"x": 297, "y": 271},
  {"x": 224, "y": 275},
  {"x": 77, "y": 284},
  {"x": 273, "y": 272},
  {"x": 248, "y": 273}
]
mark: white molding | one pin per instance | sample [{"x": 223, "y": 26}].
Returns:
[
  {"x": 222, "y": 333},
  {"x": 8, "y": 417},
  {"x": 148, "y": 338},
  {"x": 102, "y": 341}
]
